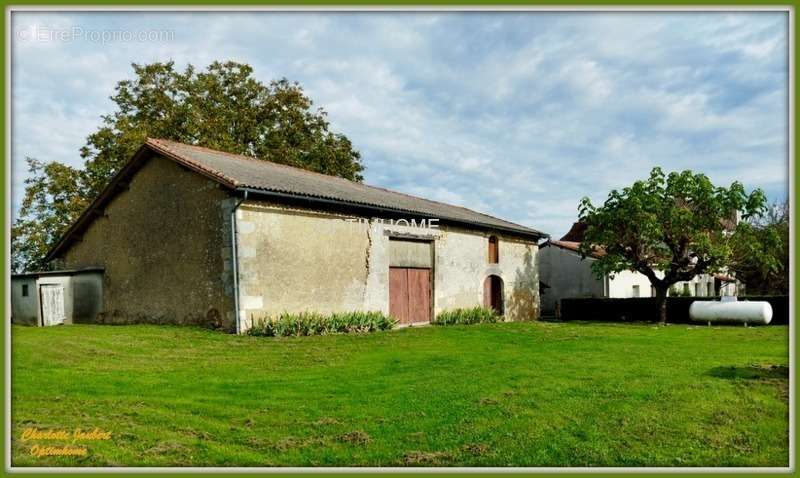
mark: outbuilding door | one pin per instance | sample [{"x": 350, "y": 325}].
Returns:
[
  {"x": 410, "y": 294},
  {"x": 52, "y": 297}
]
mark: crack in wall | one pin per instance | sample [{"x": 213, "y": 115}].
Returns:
[{"x": 366, "y": 262}]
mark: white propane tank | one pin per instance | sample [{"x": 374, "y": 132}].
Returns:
[{"x": 745, "y": 312}]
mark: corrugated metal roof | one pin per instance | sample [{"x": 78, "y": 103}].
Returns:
[
  {"x": 62, "y": 272},
  {"x": 237, "y": 172},
  {"x": 245, "y": 172}
]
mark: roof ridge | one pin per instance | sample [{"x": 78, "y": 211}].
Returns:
[
  {"x": 244, "y": 157},
  {"x": 152, "y": 142}
]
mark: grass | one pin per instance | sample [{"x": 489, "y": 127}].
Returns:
[{"x": 505, "y": 394}]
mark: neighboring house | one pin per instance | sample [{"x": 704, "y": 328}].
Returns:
[
  {"x": 566, "y": 274},
  {"x": 186, "y": 234}
]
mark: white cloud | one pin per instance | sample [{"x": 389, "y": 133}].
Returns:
[{"x": 517, "y": 115}]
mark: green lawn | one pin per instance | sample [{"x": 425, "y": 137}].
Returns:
[{"x": 512, "y": 394}]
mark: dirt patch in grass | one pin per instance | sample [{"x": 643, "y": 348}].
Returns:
[
  {"x": 476, "y": 449},
  {"x": 326, "y": 421},
  {"x": 773, "y": 375},
  {"x": 167, "y": 448},
  {"x": 426, "y": 458},
  {"x": 290, "y": 442},
  {"x": 358, "y": 437},
  {"x": 199, "y": 434},
  {"x": 752, "y": 372}
]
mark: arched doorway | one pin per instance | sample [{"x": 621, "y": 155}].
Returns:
[{"x": 493, "y": 293}]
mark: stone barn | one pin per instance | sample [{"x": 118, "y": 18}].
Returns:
[{"x": 185, "y": 234}]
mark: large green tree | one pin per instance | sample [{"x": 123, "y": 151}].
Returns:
[
  {"x": 771, "y": 231},
  {"x": 671, "y": 228},
  {"x": 223, "y": 107}
]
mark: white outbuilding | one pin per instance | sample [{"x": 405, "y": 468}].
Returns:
[{"x": 56, "y": 297}]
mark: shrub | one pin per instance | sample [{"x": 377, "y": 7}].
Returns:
[
  {"x": 313, "y": 323},
  {"x": 475, "y": 315},
  {"x": 674, "y": 291}
]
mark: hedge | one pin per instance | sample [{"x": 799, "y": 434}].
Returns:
[{"x": 644, "y": 309}]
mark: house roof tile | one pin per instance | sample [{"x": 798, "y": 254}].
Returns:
[{"x": 574, "y": 246}]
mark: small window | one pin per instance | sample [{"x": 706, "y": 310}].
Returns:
[
  {"x": 686, "y": 289},
  {"x": 24, "y": 290},
  {"x": 494, "y": 250},
  {"x": 636, "y": 291},
  {"x": 697, "y": 289},
  {"x": 652, "y": 291}
]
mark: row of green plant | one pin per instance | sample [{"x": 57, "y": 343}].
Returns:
[
  {"x": 313, "y": 323},
  {"x": 475, "y": 315}
]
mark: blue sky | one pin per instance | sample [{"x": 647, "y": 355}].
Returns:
[{"x": 517, "y": 115}]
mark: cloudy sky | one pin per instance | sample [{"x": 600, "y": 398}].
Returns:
[{"x": 518, "y": 115}]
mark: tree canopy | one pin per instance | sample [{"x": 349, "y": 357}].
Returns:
[
  {"x": 771, "y": 232},
  {"x": 223, "y": 107},
  {"x": 671, "y": 228}
]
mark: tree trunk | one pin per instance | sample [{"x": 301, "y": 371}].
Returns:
[{"x": 661, "y": 304}]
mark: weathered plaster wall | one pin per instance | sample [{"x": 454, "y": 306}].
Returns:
[
  {"x": 161, "y": 243},
  {"x": 568, "y": 276},
  {"x": 293, "y": 260},
  {"x": 87, "y": 296},
  {"x": 24, "y": 310},
  {"x": 462, "y": 266},
  {"x": 620, "y": 284}
]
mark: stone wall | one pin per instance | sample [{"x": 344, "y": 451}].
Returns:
[
  {"x": 462, "y": 266},
  {"x": 294, "y": 260},
  {"x": 161, "y": 244}
]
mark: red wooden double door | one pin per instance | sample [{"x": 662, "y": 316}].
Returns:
[{"x": 410, "y": 294}]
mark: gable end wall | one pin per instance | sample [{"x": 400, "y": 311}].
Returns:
[{"x": 163, "y": 244}]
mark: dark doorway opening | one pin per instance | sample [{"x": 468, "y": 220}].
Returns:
[{"x": 493, "y": 293}]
